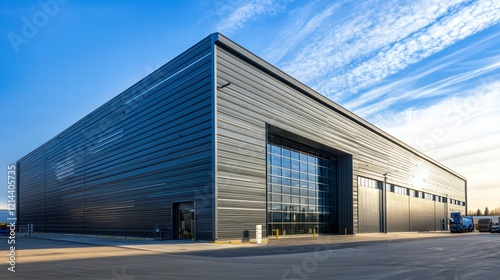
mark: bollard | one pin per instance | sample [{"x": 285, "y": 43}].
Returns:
[
  {"x": 314, "y": 232},
  {"x": 345, "y": 231},
  {"x": 277, "y": 234}
]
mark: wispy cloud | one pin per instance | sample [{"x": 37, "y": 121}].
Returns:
[
  {"x": 359, "y": 50},
  {"x": 445, "y": 87},
  {"x": 475, "y": 109},
  {"x": 302, "y": 22},
  {"x": 445, "y": 76},
  {"x": 461, "y": 132},
  {"x": 404, "y": 66},
  {"x": 236, "y": 18},
  {"x": 441, "y": 34}
]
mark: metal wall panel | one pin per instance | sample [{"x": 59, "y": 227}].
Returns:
[
  {"x": 407, "y": 213},
  {"x": 244, "y": 108},
  {"x": 260, "y": 94},
  {"x": 118, "y": 170},
  {"x": 346, "y": 201},
  {"x": 421, "y": 214},
  {"x": 370, "y": 209},
  {"x": 398, "y": 212}
]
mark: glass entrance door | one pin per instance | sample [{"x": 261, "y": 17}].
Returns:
[{"x": 184, "y": 218}]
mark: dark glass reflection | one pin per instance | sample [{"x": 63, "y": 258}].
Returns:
[{"x": 299, "y": 191}]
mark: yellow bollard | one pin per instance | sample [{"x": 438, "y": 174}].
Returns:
[
  {"x": 277, "y": 234},
  {"x": 314, "y": 232},
  {"x": 345, "y": 231}
]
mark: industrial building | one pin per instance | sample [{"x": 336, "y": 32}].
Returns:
[{"x": 218, "y": 141}]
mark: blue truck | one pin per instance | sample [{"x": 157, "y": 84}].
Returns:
[{"x": 459, "y": 223}]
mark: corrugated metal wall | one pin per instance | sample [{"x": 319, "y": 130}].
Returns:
[
  {"x": 243, "y": 109},
  {"x": 370, "y": 209},
  {"x": 260, "y": 94},
  {"x": 119, "y": 169},
  {"x": 398, "y": 213},
  {"x": 406, "y": 213}
]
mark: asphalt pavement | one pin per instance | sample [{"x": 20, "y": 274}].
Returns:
[{"x": 363, "y": 256}]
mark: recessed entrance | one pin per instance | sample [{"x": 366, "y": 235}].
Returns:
[
  {"x": 309, "y": 186},
  {"x": 184, "y": 226}
]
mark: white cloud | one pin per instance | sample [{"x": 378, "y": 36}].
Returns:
[
  {"x": 363, "y": 34},
  {"x": 360, "y": 50},
  {"x": 444, "y": 87},
  {"x": 461, "y": 132},
  {"x": 444, "y": 33},
  {"x": 347, "y": 47},
  {"x": 238, "y": 17},
  {"x": 304, "y": 21}
]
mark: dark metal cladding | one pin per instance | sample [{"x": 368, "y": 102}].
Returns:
[
  {"x": 193, "y": 135},
  {"x": 258, "y": 95},
  {"x": 119, "y": 170}
]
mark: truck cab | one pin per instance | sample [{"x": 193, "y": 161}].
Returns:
[
  {"x": 495, "y": 227},
  {"x": 459, "y": 223},
  {"x": 484, "y": 225}
]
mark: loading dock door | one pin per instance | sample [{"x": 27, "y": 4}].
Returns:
[{"x": 369, "y": 210}]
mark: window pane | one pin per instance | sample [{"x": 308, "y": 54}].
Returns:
[
  {"x": 286, "y": 217},
  {"x": 312, "y": 159},
  {"x": 276, "y": 149},
  {"x": 276, "y": 216},
  {"x": 286, "y": 182},
  {"x": 303, "y": 166},
  {"x": 286, "y": 152},
  {"x": 276, "y": 171},
  {"x": 286, "y": 190},
  {"x": 276, "y": 180},
  {"x": 286, "y": 173},
  {"x": 276, "y": 189},
  {"x": 303, "y": 157},
  {"x": 313, "y": 178},
  {"x": 303, "y": 176},
  {"x": 276, "y": 160},
  {"x": 286, "y": 162},
  {"x": 311, "y": 168}
]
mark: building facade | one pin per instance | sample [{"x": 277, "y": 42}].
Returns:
[{"x": 218, "y": 141}]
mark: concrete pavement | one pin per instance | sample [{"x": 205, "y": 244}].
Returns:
[
  {"x": 187, "y": 246},
  {"x": 363, "y": 256}
]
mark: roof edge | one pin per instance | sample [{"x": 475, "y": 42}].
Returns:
[{"x": 226, "y": 43}]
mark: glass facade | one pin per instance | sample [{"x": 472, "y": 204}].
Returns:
[{"x": 299, "y": 188}]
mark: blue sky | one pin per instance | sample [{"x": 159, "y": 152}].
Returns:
[{"x": 425, "y": 71}]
